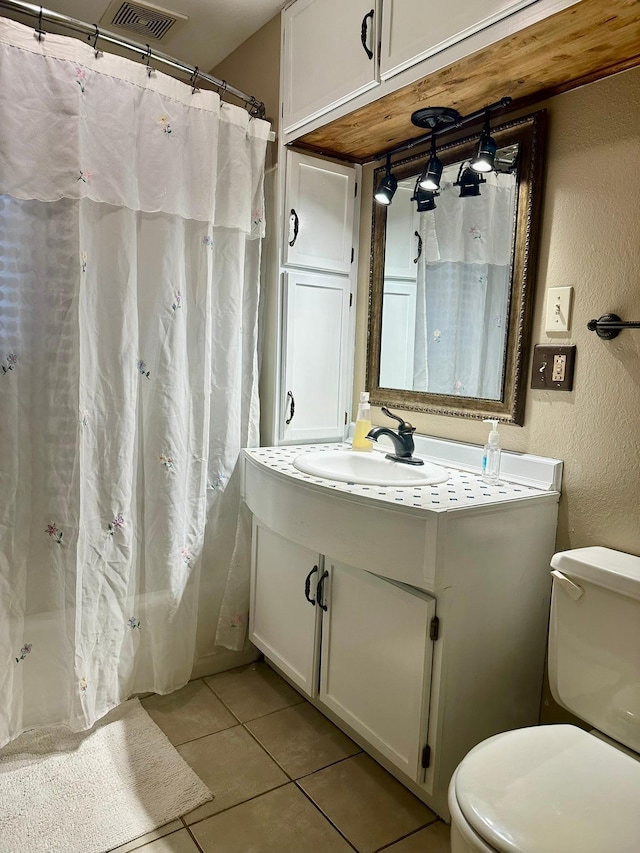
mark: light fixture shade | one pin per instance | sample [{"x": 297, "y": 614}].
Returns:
[
  {"x": 469, "y": 181},
  {"x": 386, "y": 189},
  {"x": 425, "y": 199},
  {"x": 430, "y": 178},
  {"x": 485, "y": 158}
]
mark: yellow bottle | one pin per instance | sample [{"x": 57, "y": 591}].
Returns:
[{"x": 363, "y": 424}]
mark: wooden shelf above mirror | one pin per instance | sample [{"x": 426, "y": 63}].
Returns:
[{"x": 587, "y": 41}]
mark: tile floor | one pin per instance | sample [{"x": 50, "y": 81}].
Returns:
[{"x": 284, "y": 779}]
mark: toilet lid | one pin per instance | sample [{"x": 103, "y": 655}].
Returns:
[{"x": 551, "y": 789}]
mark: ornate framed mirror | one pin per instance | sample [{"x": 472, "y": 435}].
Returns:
[{"x": 451, "y": 289}]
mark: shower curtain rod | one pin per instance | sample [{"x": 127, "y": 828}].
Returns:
[{"x": 255, "y": 107}]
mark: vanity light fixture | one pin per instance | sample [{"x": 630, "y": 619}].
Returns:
[
  {"x": 439, "y": 120},
  {"x": 387, "y": 186},
  {"x": 430, "y": 178},
  {"x": 485, "y": 158},
  {"x": 468, "y": 180}
]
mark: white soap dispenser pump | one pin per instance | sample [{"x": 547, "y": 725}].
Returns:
[{"x": 491, "y": 454}]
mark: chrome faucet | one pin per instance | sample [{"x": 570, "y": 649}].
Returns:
[{"x": 402, "y": 439}]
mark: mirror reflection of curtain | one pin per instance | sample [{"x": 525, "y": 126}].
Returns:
[{"x": 463, "y": 282}]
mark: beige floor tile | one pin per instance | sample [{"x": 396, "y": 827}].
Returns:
[
  {"x": 189, "y": 713},
  {"x": 301, "y": 740},
  {"x": 149, "y": 836},
  {"x": 253, "y": 691},
  {"x": 433, "y": 839},
  {"x": 366, "y": 803},
  {"x": 282, "y": 821},
  {"x": 179, "y": 842},
  {"x": 233, "y": 766}
]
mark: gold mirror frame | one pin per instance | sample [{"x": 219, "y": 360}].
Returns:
[{"x": 528, "y": 132}]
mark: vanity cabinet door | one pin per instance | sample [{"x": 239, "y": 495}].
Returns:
[
  {"x": 315, "y": 336},
  {"x": 329, "y": 56},
  {"x": 376, "y": 662},
  {"x": 283, "y": 623},
  {"x": 413, "y": 30},
  {"x": 319, "y": 209}
]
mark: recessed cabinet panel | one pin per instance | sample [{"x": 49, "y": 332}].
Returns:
[
  {"x": 397, "y": 346},
  {"x": 329, "y": 56},
  {"x": 376, "y": 662},
  {"x": 319, "y": 202},
  {"x": 413, "y": 30},
  {"x": 283, "y": 623},
  {"x": 315, "y": 343},
  {"x": 403, "y": 244}
]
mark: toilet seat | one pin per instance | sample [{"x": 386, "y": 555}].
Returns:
[{"x": 550, "y": 789}]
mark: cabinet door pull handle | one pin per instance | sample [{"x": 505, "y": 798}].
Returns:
[
  {"x": 320, "y": 591},
  {"x": 363, "y": 33},
  {"x": 292, "y": 408},
  {"x": 293, "y": 218},
  {"x": 417, "y": 258},
  {"x": 307, "y": 586}
]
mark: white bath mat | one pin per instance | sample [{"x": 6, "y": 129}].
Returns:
[{"x": 63, "y": 792}]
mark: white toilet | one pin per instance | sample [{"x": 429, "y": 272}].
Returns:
[{"x": 560, "y": 789}]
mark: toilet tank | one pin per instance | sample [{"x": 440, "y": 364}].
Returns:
[{"x": 594, "y": 640}]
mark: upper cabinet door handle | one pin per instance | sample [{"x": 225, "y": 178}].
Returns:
[
  {"x": 320, "y": 591},
  {"x": 293, "y": 220},
  {"x": 417, "y": 258},
  {"x": 363, "y": 33},
  {"x": 307, "y": 586}
]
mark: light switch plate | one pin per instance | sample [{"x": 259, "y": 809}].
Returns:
[
  {"x": 552, "y": 368},
  {"x": 559, "y": 303}
]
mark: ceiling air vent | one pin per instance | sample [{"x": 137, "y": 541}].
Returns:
[{"x": 150, "y": 22}]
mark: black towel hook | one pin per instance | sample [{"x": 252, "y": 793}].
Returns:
[{"x": 609, "y": 326}]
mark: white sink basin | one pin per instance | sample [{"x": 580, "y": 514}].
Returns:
[{"x": 368, "y": 468}]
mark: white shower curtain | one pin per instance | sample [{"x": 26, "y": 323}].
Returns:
[
  {"x": 131, "y": 214},
  {"x": 463, "y": 283}
]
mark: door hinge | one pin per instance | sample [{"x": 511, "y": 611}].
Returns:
[
  {"x": 352, "y": 254},
  {"x": 426, "y": 756},
  {"x": 355, "y": 192},
  {"x": 434, "y": 628},
  {"x": 350, "y": 300},
  {"x": 346, "y": 418}
]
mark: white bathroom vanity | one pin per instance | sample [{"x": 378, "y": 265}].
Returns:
[{"x": 415, "y": 617}]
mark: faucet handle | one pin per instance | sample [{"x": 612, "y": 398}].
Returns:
[{"x": 404, "y": 426}]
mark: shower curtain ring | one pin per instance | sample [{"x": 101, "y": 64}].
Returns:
[
  {"x": 222, "y": 88},
  {"x": 39, "y": 33},
  {"x": 193, "y": 79},
  {"x": 150, "y": 71},
  {"x": 96, "y": 51}
]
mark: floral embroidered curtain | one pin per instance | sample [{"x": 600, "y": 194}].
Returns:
[
  {"x": 463, "y": 286},
  {"x": 131, "y": 212}
]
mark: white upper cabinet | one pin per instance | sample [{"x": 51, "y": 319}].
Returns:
[
  {"x": 413, "y": 30},
  {"x": 319, "y": 207},
  {"x": 329, "y": 56}
]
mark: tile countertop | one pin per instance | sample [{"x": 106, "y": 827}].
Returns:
[{"x": 464, "y": 489}]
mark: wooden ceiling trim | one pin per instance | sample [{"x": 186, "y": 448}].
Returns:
[{"x": 588, "y": 41}]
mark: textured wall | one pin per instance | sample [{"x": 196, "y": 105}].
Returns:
[
  {"x": 254, "y": 67},
  {"x": 590, "y": 239}
]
